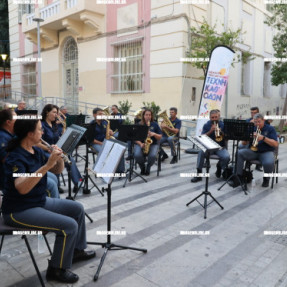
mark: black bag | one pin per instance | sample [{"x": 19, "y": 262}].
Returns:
[{"x": 227, "y": 172}]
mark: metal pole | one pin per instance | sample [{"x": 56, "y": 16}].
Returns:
[
  {"x": 4, "y": 79},
  {"x": 38, "y": 20}
]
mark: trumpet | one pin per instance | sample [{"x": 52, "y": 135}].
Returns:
[
  {"x": 63, "y": 156},
  {"x": 218, "y": 133},
  {"x": 255, "y": 140}
]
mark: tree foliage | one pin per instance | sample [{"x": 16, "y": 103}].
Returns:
[
  {"x": 205, "y": 39},
  {"x": 279, "y": 22}
]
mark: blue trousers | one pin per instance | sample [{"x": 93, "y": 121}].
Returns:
[
  {"x": 139, "y": 156},
  {"x": 267, "y": 159},
  {"x": 223, "y": 154},
  {"x": 52, "y": 185},
  {"x": 170, "y": 141},
  {"x": 64, "y": 217}
]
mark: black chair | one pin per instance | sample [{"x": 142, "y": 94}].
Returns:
[
  {"x": 8, "y": 230},
  {"x": 258, "y": 162}
]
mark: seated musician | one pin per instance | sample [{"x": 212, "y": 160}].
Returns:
[
  {"x": 6, "y": 134},
  {"x": 267, "y": 141},
  {"x": 115, "y": 124},
  {"x": 176, "y": 125},
  {"x": 98, "y": 133},
  {"x": 51, "y": 136},
  {"x": 209, "y": 129},
  {"x": 155, "y": 134},
  {"x": 25, "y": 204}
]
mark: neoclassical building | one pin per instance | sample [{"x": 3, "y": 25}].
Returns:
[{"x": 151, "y": 36}]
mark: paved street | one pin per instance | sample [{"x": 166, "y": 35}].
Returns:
[{"x": 234, "y": 253}]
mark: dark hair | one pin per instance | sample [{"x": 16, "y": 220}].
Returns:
[
  {"x": 96, "y": 110},
  {"x": 173, "y": 109},
  {"x": 5, "y": 115},
  {"x": 21, "y": 129},
  {"x": 115, "y": 106},
  {"x": 48, "y": 108},
  {"x": 254, "y": 109},
  {"x": 142, "y": 122}
]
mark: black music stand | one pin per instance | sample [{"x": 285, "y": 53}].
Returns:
[
  {"x": 132, "y": 133},
  {"x": 112, "y": 159},
  {"x": 76, "y": 120},
  {"x": 237, "y": 130},
  {"x": 68, "y": 143},
  {"x": 205, "y": 193},
  {"x": 85, "y": 140}
]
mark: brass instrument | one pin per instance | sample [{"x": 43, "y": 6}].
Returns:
[
  {"x": 62, "y": 119},
  {"x": 255, "y": 140},
  {"x": 147, "y": 143},
  {"x": 63, "y": 156},
  {"x": 107, "y": 113},
  {"x": 218, "y": 133},
  {"x": 138, "y": 114},
  {"x": 167, "y": 121}
]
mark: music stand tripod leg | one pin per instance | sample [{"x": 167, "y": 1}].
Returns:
[{"x": 108, "y": 245}]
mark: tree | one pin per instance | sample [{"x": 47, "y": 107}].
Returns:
[
  {"x": 205, "y": 39},
  {"x": 278, "y": 21}
]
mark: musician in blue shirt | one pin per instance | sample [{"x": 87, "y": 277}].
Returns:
[
  {"x": 155, "y": 135},
  {"x": 51, "y": 136},
  {"x": 25, "y": 204},
  {"x": 6, "y": 134},
  {"x": 209, "y": 129},
  {"x": 176, "y": 125},
  {"x": 267, "y": 141},
  {"x": 97, "y": 133}
]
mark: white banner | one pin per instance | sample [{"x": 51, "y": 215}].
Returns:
[{"x": 215, "y": 84}]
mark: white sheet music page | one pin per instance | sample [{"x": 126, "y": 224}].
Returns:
[
  {"x": 104, "y": 153},
  {"x": 109, "y": 160}
]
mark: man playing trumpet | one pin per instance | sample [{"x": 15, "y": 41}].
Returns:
[
  {"x": 213, "y": 128},
  {"x": 263, "y": 150}
]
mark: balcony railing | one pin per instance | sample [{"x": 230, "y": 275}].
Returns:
[
  {"x": 30, "y": 18},
  {"x": 50, "y": 10},
  {"x": 71, "y": 3}
]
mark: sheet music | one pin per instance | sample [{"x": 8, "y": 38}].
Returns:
[{"x": 109, "y": 159}]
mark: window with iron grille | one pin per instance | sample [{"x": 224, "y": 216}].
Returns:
[
  {"x": 24, "y": 9},
  {"x": 128, "y": 74},
  {"x": 29, "y": 79}
]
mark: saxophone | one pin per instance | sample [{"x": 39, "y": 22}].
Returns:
[
  {"x": 167, "y": 121},
  {"x": 147, "y": 142}
]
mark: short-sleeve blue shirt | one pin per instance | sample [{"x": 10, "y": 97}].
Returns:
[
  {"x": 50, "y": 135},
  {"x": 154, "y": 127},
  {"x": 269, "y": 132},
  {"x": 22, "y": 161}
]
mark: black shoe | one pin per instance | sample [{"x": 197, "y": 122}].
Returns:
[
  {"x": 61, "y": 275},
  {"x": 265, "y": 182},
  {"x": 259, "y": 167},
  {"x": 147, "y": 172},
  {"x": 129, "y": 157},
  {"x": 81, "y": 255},
  {"x": 75, "y": 189},
  {"x": 218, "y": 171},
  {"x": 86, "y": 191},
  {"x": 196, "y": 179},
  {"x": 174, "y": 160},
  {"x": 142, "y": 167},
  {"x": 61, "y": 190},
  {"x": 164, "y": 157}
]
